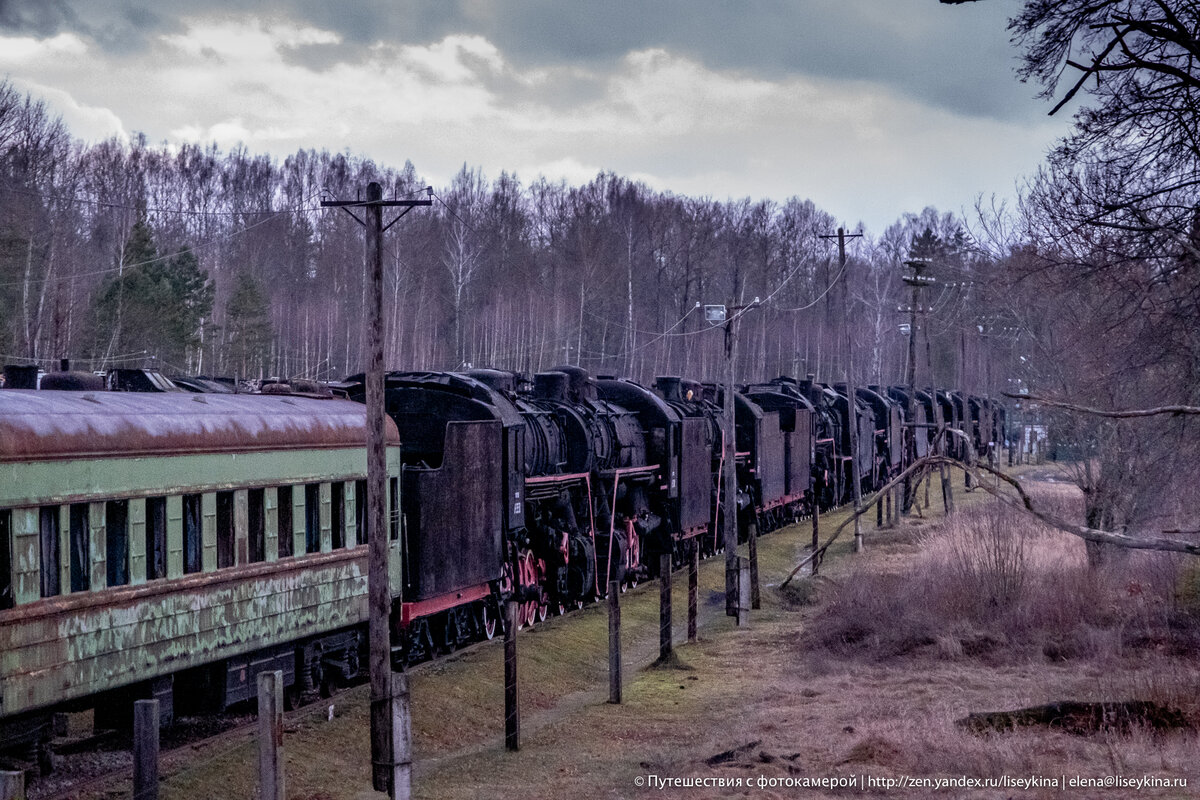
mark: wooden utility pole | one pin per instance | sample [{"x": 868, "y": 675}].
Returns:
[
  {"x": 729, "y": 423},
  {"x": 730, "y": 476},
  {"x": 384, "y": 770},
  {"x": 851, "y": 392},
  {"x": 916, "y": 281}
]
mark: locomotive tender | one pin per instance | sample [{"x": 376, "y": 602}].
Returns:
[{"x": 174, "y": 545}]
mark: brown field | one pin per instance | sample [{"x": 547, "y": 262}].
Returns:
[{"x": 862, "y": 673}]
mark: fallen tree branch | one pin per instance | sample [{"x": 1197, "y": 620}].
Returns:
[
  {"x": 1099, "y": 412},
  {"x": 1115, "y": 538},
  {"x": 1082, "y": 531},
  {"x": 919, "y": 464}
]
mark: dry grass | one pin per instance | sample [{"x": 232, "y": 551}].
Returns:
[{"x": 989, "y": 583}]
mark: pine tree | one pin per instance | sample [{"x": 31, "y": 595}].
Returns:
[
  {"x": 248, "y": 327},
  {"x": 153, "y": 309}
]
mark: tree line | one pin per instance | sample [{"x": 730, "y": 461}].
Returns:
[{"x": 197, "y": 260}]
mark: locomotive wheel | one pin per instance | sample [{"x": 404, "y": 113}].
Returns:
[
  {"x": 487, "y": 621},
  {"x": 420, "y": 642}
]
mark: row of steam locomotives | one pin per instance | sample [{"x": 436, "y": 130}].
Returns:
[
  {"x": 596, "y": 477},
  {"x": 173, "y": 539}
]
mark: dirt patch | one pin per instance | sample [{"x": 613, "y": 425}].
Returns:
[{"x": 1085, "y": 719}]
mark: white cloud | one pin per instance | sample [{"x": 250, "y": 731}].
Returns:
[
  {"x": 25, "y": 51},
  {"x": 857, "y": 150},
  {"x": 87, "y": 123}
]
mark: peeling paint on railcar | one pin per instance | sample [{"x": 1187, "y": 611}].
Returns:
[{"x": 54, "y": 657}]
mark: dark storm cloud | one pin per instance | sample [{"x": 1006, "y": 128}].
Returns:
[
  {"x": 956, "y": 58},
  {"x": 38, "y": 17}
]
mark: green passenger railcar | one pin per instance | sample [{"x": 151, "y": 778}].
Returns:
[{"x": 175, "y": 545}]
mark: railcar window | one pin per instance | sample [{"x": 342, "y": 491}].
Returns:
[
  {"x": 116, "y": 541},
  {"x": 224, "y": 529},
  {"x": 6, "y": 591},
  {"x": 48, "y": 527},
  {"x": 192, "y": 540},
  {"x": 312, "y": 518},
  {"x": 360, "y": 511},
  {"x": 394, "y": 490},
  {"x": 156, "y": 538},
  {"x": 337, "y": 516},
  {"x": 257, "y": 520},
  {"x": 285, "y": 521},
  {"x": 80, "y": 547}
]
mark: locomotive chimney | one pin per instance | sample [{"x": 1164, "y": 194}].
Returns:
[
  {"x": 669, "y": 387},
  {"x": 550, "y": 386},
  {"x": 580, "y": 386},
  {"x": 20, "y": 377}
]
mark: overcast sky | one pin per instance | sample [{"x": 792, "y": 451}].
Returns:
[{"x": 870, "y": 108}]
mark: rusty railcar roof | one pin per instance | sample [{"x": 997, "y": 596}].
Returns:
[{"x": 40, "y": 425}]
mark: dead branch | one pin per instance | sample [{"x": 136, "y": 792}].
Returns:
[
  {"x": 1026, "y": 505},
  {"x": 1082, "y": 531},
  {"x": 919, "y": 464},
  {"x": 1099, "y": 412}
]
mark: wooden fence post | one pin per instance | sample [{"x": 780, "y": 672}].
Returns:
[
  {"x": 693, "y": 589},
  {"x": 512, "y": 708},
  {"x": 947, "y": 490},
  {"x": 145, "y": 750},
  {"x": 270, "y": 736},
  {"x": 664, "y": 607},
  {"x": 816, "y": 521},
  {"x": 755, "y": 595},
  {"x": 12, "y": 785},
  {"x": 743, "y": 617},
  {"x": 401, "y": 738},
  {"x": 614, "y": 642}
]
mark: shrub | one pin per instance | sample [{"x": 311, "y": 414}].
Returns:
[{"x": 990, "y": 584}]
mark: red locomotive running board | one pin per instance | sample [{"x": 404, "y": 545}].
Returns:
[{"x": 413, "y": 611}]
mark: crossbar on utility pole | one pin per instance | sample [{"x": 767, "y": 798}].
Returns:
[{"x": 384, "y": 769}]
